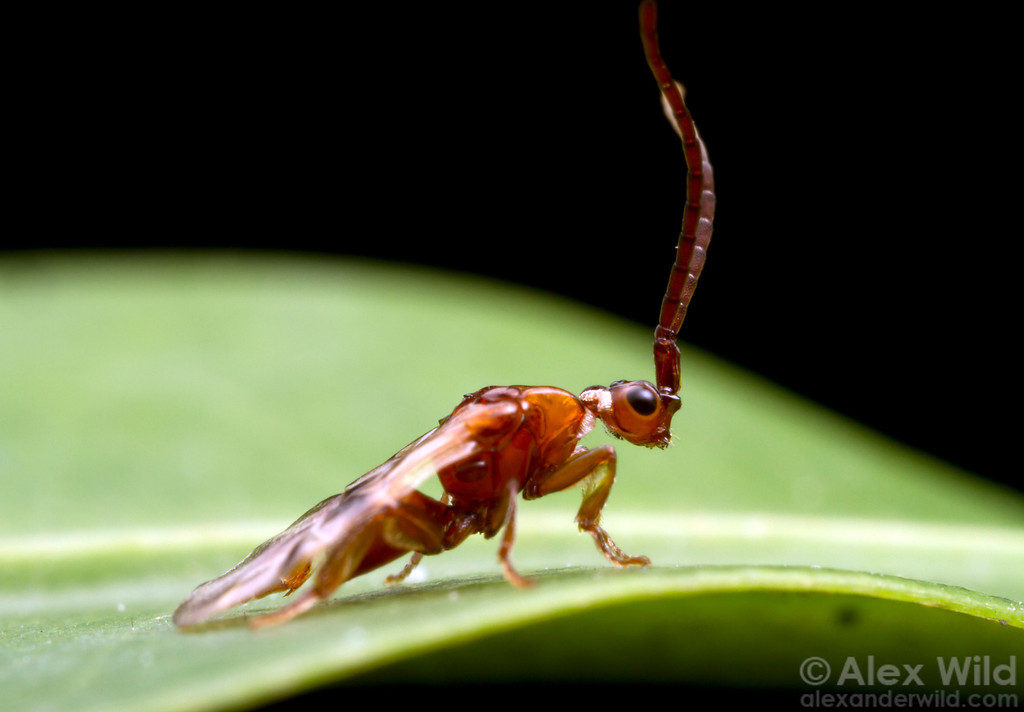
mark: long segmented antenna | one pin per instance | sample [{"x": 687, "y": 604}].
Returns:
[{"x": 698, "y": 212}]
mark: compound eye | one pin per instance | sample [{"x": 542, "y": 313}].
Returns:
[
  {"x": 642, "y": 399},
  {"x": 637, "y": 409}
]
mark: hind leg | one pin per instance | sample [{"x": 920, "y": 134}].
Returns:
[
  {"x": 341, "y": 565},
  {"x": 416, "y": 524}
]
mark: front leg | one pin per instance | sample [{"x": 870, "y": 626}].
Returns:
[{"x": 595, "y": 470}]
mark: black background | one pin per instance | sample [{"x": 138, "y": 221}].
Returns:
[{"x": 866, "y": 167}]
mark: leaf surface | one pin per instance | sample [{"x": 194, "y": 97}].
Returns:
[{"x": 162, "y": 415}]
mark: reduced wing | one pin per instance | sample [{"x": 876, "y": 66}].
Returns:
[{"x": 280, "y": 564}]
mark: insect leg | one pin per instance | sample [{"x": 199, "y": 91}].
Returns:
[
  {"x": 342, "y": 564},
  {"x": 423, "y": 526},
  {"x": 507, "y": 507},
  {"x": 406, "y": 570},
  {"x": 416, "y": 525},
  {"x": 296, "y": 578},
  {"x": 595, "y": 470},
  {"x": 300, "y": 605},
  {"x": 461, "y": 526}
]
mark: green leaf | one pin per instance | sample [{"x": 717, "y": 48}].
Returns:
[{"x": 162, "y": 415}]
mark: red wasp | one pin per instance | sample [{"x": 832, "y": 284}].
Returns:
[{"x": 498, "y": 443}]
